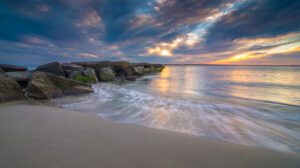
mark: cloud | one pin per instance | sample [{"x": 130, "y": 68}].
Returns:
[
  {"x": 189, "y": 31},
  {"x": 88, "y": 55},
  {"x": 257, "y": 18}
]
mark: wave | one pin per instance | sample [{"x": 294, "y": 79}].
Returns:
[{"x": 212, "y": 118}]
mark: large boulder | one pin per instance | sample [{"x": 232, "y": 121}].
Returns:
[
  {"x": 138, "y": 70},
  {"x": 106, "y": 74},
  {"x": 46, "y": 85},
  {"x": 53, "y": 67},
  {"x": 22, "y": 77},
  {"x": 9, "y": 89},
  {"x": 120, "y": 67},
  {"x": 87, "y": 75},
  {"x": 12, "y": 68},
  {"x": 70, "y": 67}
]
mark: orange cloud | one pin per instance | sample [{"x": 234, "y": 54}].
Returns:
[
  {"x": 166, "y": 49},
  {"x": 284, "y": 44}
]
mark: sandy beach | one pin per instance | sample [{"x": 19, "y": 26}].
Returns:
[{"x": 49, "y": 137}]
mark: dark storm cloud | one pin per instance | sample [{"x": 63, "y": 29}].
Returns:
[
  {"x": 56, "y": 19},
  {"x": 41, "y": 18},
  {"x": 258, "y": 18},
  {"x": 161, "y": 20}
]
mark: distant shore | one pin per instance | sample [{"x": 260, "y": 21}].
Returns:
[{"x": 40, "y": 136}]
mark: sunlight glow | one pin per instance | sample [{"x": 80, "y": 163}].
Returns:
[
  {"x": 284, "y": 45},
  {"x": 166, "y": 49}
]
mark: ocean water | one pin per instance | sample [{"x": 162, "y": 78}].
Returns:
[{"x": 249, "y": 105}]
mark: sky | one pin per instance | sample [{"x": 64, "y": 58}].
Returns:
[{"x": 241, "y": 32}]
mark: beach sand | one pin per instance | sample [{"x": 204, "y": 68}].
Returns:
[{"x": 49, "y": 137}]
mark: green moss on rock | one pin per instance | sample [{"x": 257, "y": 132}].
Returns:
[{"x": 85, "y": 79}]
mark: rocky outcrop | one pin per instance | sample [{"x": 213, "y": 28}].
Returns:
[
  {"x": 105, "y": 74},
  {"x": 12, "y": 68},
  {"x": 46, "y": 85},
  {"x": 9, "y": 89},
  {"x": 53, "y": 67},
  {"x": 56, "y": 80},
  {"x": 22, "y": 77},
  {"x": 86, "y": 75}
]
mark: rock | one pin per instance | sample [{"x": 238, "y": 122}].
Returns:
[
  {"x": 117, "y": 67},
  {"x": 87, "y": 75},
  {"x": 46, "y": 85},
  {"x": 120, "y": 67},
  {"x": 91, "y": 74},
  {"x": 106, "y": 74},
  {"x": 22, "y": 77},
  {"x": 130, "y": 74},
  {"x": 138, "y": 70},
  {"x": 158, "y": 67},
  {"x": 71, "y": 66},
  {"x": 95, "y": 64},
  {"x": 12, "y": 68},
  {"x": 53, "y": 67},
  {"x": 153, "y": 68},
  {"x": 9, "y": 89},
  {"x": 130, "y": 77}
]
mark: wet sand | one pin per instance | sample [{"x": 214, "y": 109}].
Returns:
[{"x": 49, "y": 137}]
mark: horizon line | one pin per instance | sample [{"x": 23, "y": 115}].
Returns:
[{"x": 231, "y": 64}]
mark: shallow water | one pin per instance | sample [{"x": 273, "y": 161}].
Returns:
[{"x": 255, "y": 106}]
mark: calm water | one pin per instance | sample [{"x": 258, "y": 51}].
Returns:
[{"x": 255, "y": 106}]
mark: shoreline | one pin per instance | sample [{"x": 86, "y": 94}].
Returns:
[{"x": 45, "y": 136}]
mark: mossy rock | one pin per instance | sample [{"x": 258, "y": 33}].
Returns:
[
  {"x": 85, "y": 79},
  {"x": 106, "y": 74},
  {"x": 87, "y": 75},
  {"x": 138, "y": 70},
  {"x": 46, "y": 85},
  {"x": 9, "y": 89}
]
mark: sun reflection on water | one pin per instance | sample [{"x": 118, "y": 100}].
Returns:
[
  {"x": 259, "y": 83},
  {"x": 277, "y": 86}
]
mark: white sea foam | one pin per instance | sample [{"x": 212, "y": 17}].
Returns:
[{"x": 210, "y": 118}]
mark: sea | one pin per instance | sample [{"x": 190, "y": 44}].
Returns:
[{"x": 249, "y": 105}]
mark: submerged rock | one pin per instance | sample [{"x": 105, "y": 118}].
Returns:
[
  {"x": 12, "y": 68},
  {"x": 87, "y": 75},
  {"x": 22, "y": 77},
  {"x": 106, "y": 74},
  {"x": 53, "y": 67},
  {"x": 9, "y": 89},
  {"x": 46, "y": 85}
]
